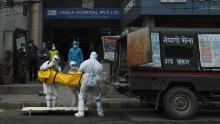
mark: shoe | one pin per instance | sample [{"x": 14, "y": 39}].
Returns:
[
  {"x": 100, "y": 114},
  {"x": 79, "y": 114}
]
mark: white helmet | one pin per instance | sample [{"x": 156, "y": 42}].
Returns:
[
  {"x": 93, "y": 55},
  {"x": 72, "y": 63}
]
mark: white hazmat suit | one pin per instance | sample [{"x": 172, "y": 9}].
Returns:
[
  {"x": 74, "y": 91},
  {"x": 51, "y": 90},
  {"x": 91, "y": 70}
]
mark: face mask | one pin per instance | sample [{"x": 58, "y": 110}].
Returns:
[{"x": 74, "y": 46}]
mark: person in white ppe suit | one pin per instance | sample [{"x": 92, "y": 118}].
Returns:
[
  {"x": 91, "y": 70},
  {"x": 74, "y": 91},
  {"x": 73, "y": 67},
  {"x": 51, "y": 90}
]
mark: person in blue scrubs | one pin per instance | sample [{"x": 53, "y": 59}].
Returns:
[{"x": 75, "y": 54}]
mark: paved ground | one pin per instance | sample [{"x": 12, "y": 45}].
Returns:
[
  {"x": 111, "y": 117},
  {"x": 119, "y": 115},
  {"x": 17, "y": 96}
]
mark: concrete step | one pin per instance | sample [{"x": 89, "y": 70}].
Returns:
[
  {"x": 16, "y": 102},
  {"x": 14, "y": 97},
  {"x": 23, "y": 89},
  {"x": 35, "y": 88}
]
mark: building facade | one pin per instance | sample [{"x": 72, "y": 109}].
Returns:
[
  {"x": 185, "y": 31},
  {"x": 83, "y": 20},
  {"x": 14, "y": 25},
  {"x": 171, "y": 13},
  {"x": 13, "y": 32}
]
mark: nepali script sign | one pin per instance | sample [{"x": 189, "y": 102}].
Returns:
[
  {"x": 109, "y": 47},
  {"x": 82, "y": 13}
]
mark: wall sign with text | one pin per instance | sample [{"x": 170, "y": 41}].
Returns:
[
  {"x": 179, "y": 51},
  {"x": 109, "y": 47},
  {"x": 82, "y": 13}
]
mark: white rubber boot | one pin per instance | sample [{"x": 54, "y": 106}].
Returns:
[
  {"x": 49, "y": 104},
  {"x": 100, "y": 113},
  {"x": 79, "y": 114},
  {"x": 54, "y": 102},
  {"x": 99, "y": 109}
]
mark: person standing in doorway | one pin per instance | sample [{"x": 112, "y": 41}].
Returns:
[
  {"x": 75, "y": 54},
  {"x": 53, "y": 51},
  {"x": 22, "y": 62},
  {"x": 32, "y": 61},
  {"x": 43, "y": 54}
]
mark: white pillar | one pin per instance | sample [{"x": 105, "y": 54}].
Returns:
[{"x": 36, "y": 23}]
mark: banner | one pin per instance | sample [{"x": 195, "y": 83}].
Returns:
[
  {"x": 209, "y": 48},
  {"x": 109, "y": 47}
]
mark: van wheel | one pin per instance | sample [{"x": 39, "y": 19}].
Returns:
[{"x": 180, "y": 103}]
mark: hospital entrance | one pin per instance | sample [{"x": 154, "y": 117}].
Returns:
[{"x": 87, "y": 33}]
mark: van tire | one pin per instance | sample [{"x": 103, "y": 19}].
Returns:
[{"x": 180, "y": 103}]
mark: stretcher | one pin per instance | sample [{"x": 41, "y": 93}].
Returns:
[
  {"x": 51, "y": 76},
  {"x": 31, "y": 110}
]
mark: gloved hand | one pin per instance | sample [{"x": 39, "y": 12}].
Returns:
[
  {"x": 50, "y": 65},
  {"x": 78, "y": 72}
]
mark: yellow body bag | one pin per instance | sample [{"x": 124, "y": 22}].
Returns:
[{"x": 51, "y": 76}]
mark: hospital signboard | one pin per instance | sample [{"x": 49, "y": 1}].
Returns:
[{"x": 82, "y": 13}]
